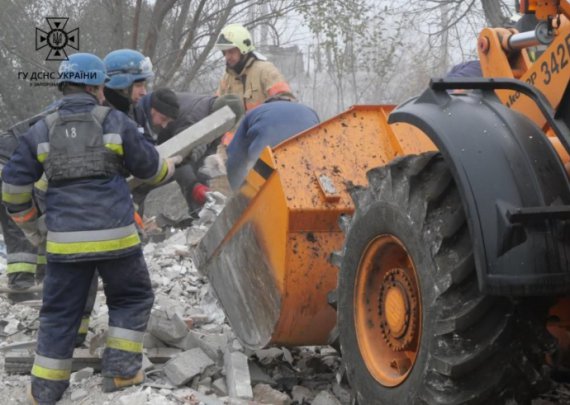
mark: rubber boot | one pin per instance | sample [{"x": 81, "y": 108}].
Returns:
[{"x": 111, "y": 384}]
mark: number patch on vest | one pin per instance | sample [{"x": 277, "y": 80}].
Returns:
[{"x": 71, "y": 132}]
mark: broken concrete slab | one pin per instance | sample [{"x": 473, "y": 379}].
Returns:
[
  {"x": 238, "y": 379},
  {"x": 167, "y": 205},
  {"x": 203, "y": 132},
  {"x": 267, "y": 356},
  {"x": 169, "y": 329},
  {"x": 213, "y": 344},
  {"x": 81, "y": 375},
  {"x": 258, "y": 376},
  {"x": 186, "y": 366},
  {"x": 301, "y": 394},
  {"x": 219, "y": 387},
  {"x": 150, "y": 341},
  {"x": 264, "y": 394},
  {"x": 325, "y": 398}
]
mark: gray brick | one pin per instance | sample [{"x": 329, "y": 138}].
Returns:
[
  {"x": 186, "y": 366},
  {"x": 237, "y": 375}
]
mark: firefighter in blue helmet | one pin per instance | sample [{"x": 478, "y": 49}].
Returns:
[
  {"x": 86, "y": 151},
  {"x": 128, "y": 72}
]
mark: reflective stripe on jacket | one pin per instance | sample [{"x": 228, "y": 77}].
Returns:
[
  {"x": 258, "y": 80},
  {"x": 87, "y": 218}
]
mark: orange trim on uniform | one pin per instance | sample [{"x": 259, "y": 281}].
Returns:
[
  {"x": 251, "y": 106},
  {"x": 139, "y": 221},
  {"x": 20, "y": 219},
  {"x": 227, "y": 138},
  {"x": 279, "y": 87}
]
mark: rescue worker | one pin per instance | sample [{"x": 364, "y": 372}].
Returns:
[
  {"x": 86, "y": 151},
  {"x": 471, "y": 68},
  {"x": 128, "y": 71},
  {"x": 25, "y": 266},
  {"x": 165, "y": 113},
  {"x": 248, "y": 74},
  {"x": 271, "y": 123}
]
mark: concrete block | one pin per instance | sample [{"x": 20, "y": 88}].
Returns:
[
  {"x": 264, "y": 394},
  {"x": 213, "y": 344},
  {"x": 237, "y": 375},
  {"x": 82, "y": 374},
  {"x": 258, "y": 376},
  {"x": 267, "y": 356},
  {"x": 219, "y": 387},
  {"x": 161, "y": 355},
  {"x": 186, "y": 366},
  {"x": 167, "y": 204},
  {"x": 168, "y": 329},
  {"x": 151, "y": 341},
  {"x": 201, "y": 133},
  {"x": 301, "y": 394},
  {"x": 325, "y": 398}
]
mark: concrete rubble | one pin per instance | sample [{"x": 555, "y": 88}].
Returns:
[
  {"x": 197, "y": 358},
  {"x": 191, "y": 353}
]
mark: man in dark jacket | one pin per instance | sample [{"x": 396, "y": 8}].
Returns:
[
  {"x": 85, "y": 151},
  {"x": 164, "y": 113},
  {"x": 271, "y": 123}
]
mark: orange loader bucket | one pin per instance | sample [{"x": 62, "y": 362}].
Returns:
[{"x": 268, "y": 253}]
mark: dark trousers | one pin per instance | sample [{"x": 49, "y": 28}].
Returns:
[
  {"x": 66, "y": 286},
  {"x": 21, "y": 254}
]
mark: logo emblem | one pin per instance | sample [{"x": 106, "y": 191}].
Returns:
[{"x": 57, "y": 38}]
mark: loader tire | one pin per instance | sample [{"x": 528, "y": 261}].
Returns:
[{"x": 414, "y": 328}]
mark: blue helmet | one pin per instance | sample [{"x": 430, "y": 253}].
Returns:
[
  {"x": 126, "y": 66},
  {"x": 82, "y": 68}
]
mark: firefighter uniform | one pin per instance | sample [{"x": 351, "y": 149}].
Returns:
[
  {"x": 258, "y": 80},
  {"x": 24, "y": 264},
  {"x": 253, "y": 78},
  {"x": 86, "y": 151}
]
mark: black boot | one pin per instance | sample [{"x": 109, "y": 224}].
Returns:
[{"x": 21, "y": 281}]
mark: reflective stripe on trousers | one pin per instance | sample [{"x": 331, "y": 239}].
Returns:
[
  {"x": 66, "y": 289},
  {"x": 51, "y": 369},
  {"x": 21, "y": 262},
  {"x": 125, "y": 339}
]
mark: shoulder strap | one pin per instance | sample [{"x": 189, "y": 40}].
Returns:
[
  {"x": 50, "y": 119},
  {"x": 100, "y": 113}
]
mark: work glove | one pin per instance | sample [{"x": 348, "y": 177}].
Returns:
[
  {"x": 199, "y": 192},
  {"x": 171, "y": 162}
]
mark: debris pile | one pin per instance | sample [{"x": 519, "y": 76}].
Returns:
[{"x": 191, "y": 354}]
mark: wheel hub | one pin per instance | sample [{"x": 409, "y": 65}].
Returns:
[
  {"x": 387, "y": 310},
  {"x": 396, "y": 307}
]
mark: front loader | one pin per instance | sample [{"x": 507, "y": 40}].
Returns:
[{"x": 430, "y": 241}]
